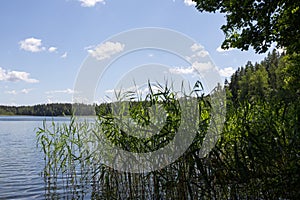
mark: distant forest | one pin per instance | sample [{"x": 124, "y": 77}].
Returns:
[{"x": 54, "y": 109}]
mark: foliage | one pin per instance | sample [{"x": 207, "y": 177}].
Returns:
[
  {"x": 258, "y": 23},
  {"x": 257, "y": 156}
]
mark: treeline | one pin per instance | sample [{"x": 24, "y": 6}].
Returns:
[
  {"x": 54, "y": 109},
  {"x": 275, "y": 78}
]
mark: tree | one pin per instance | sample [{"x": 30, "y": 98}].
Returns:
[{"x": 258, "y": 23}]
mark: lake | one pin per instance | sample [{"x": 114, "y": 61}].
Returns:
[{"x": 21, "y": 163}]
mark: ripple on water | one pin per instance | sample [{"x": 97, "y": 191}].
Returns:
[
  {"x": 20, "y": 161},
  {"x": 21, "y": 164}
]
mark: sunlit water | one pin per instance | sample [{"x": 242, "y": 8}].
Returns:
[{"x": 21, "y": 163}]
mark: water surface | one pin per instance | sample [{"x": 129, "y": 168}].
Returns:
[{"x": 21, "y": 163}]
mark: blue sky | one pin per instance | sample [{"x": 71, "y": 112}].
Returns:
[{"x": 45, "y": 42}]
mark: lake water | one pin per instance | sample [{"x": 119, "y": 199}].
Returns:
[{"x": 21, "y": 163}]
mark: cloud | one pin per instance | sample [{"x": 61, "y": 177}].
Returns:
[
  {"x": 219, "y": 49},
  {"x": 35, "y": 45},
  {"x": 64, "y": 55},
  {"x": 26, "y": 91},
  {"x": 197, "y": 47},
  {"x": 140, "y": 90},
  {"x": 90, "y": 3},
  {"x": 190, "y": 3},
  {"x": 52, "y": 49},
  {"x": 14, "y": 92},
  {"x": 202, "y": 67},
  {"x": 66, "y": 91},
  {"x": 181, "y": 70},
  {"x": 226, "y": 72},
  {"x": 198, "y": 55},
  {"x": 122, "y": 90},
  {"x": 89, "y": 47},
  {"x": 52, "y": 99},
  {"x": 32, "y": 45},
  {"x": 199, "y": 52},
  {"x": 195, "y": 68},
  {"x": 106, "y": 50},
  {"x": 16, "y": 76}
]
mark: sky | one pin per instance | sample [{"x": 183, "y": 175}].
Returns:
[{"x": 45, "y": 43}]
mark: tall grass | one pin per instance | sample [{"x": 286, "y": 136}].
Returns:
[{"x": 255, "y": 157}]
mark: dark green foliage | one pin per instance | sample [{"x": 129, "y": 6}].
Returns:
[
  {"x": 260, "y": 81},
  {"x": 260, "y": 150},
  {"x": 261, "y": 136},
  {"x": 258, "y": 23}
]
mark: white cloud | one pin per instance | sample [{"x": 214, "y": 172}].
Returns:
[
  {"x": 226, "y": 72},
  {"x": 219, "y": 49},
  {"x": 106, "y": 50},
  {"x": 35, "y": 45},
  {"x": 190, "y": 3},
  {"x": 52, "y": 49},
  {"x": 32, "y": 45},
  {"x": 52, "y": 99},
  {"x": 66, "y": 91},
  {"x": 202, "y": 67},
  {"x": 64, "y": 55},
  {"x": 14, "y": 92},
  {"x": 196, "y": 47},
  {"x": 90, "y": 3},
  {"x": 202, "y": 54},
  {"x": 181, "y": 70},
  {"x": 89, "y": 47},
  {"x": 15, "y": 76},
  {"x": 199, "y": 52},
  {"x": 26, "y": 91},
  {"x": 198, "y": 55},
  {"x": 196, "y": 67}
]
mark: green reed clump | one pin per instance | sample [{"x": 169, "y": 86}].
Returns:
[
  {"x": 256, "y": 156},
  {"x": 72, "y": 150},
  {"x": 64, "y": 154},
  {"x": 130, "y": 125}
]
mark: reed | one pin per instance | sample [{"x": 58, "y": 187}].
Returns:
[{"x": 253, "y": 159}]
